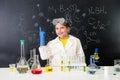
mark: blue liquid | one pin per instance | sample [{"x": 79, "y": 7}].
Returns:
[{"x": 92, "y": 72}]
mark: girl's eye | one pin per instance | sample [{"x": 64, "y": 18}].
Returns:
[
  {"x": 56, "y": 28},
  {"x": 62, "y": 27}
]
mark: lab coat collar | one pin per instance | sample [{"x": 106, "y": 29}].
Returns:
[{"x": 69, "y": 41}]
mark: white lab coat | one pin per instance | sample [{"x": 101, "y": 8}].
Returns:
[{"x": 54, "y": 50}]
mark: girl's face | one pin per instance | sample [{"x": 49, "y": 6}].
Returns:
[{"x": 61, "y": 31}]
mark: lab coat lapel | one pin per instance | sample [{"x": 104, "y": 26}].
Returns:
[
  {"x": 59, "y": 43},
  {"x": 60, "y": 46},
  {"x": 69, "y": 43}
]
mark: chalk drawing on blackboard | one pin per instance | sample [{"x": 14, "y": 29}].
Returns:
[
  {"x": 51, "y": 8},
  {"x": 75, "y": 15},
  {"x": 100, "y": 26},
  {"x": 36, "y": 24},
  {"x": 21, "y": 19},
  {"x": 91, "y": 20},
  {"x": 33, "y": 17},
  {"x": 78, "y": 15},
  {"x": 97, "y": 24},
  {"x": 97, "y": 10},
  {"x": 41, "y": 14},
  {"x": 70, "y": 13},
  {"x": 90, "y": 39},
  {"x": 74, "y": 30}
]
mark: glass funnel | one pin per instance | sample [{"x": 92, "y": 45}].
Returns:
[{"x": 22, "y": 65}]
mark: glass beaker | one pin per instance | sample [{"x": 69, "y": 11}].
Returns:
[
  {"x": 31, "y": 59},
  {"x": 117, "y": 65},
  {"x": 12, "y": 67},
  {"x": 36, "y": 67},
  {"x": 22, "y": 65}
]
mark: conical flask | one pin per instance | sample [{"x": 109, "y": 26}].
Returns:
[
  {"x": 48, "y": 63},
  {"x": 22, "y": 65},
  {"x": 48, "y": 67},
  {"x": 36, "y": 67},
  {"x": 31, "y": 59},
  {"x": 92, "y": 67}
]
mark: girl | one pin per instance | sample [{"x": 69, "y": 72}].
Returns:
[{"x": 63, "y": 45}]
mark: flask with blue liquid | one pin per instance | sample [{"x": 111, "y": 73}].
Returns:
[{"x": 92, "y": 67}]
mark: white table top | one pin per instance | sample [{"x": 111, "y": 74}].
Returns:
[{"x": 105, "y": 73}]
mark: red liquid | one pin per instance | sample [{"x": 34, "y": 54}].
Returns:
[{"x": 36, "y": 71}]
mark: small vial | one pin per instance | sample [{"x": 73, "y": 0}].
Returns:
[{"x": 12, "y": 67}]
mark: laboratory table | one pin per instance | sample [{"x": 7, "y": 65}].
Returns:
[{"x": 104, "y": 73}]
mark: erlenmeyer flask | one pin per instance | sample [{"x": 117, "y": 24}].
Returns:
[
  {"x": 48, "y": 67},
  {"x": 22, "y": 65},
  {"x": 48, "y": 63},
  {"x": 31, "y": 59},
  {"x": 92, "y": 67},
  {"x": 36, "y": 67}
]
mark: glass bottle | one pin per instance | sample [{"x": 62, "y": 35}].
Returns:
[
  {"x": 36, "y": 67},
  {"x": 31, "y": 59},
  {"x": 116, "y": 66},
  {"x": 22, "y": 65},
  {"x": 92, "y": 67}
]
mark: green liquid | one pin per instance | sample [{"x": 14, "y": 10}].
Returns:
[{"x": 30, "y": 65}]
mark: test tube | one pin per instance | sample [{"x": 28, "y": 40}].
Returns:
[{"x": 62, "y": 63}]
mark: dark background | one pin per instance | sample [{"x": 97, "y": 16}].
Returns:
[{"x": 95, "y": 22}]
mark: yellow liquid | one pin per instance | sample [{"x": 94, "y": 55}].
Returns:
[
  {"x": 62, "y": 66},
  {"x": 96, "y": 57},
  {"x": 12, "y": 69},
  {"x": 48, "y": 69}
]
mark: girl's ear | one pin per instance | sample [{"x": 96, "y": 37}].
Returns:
[{"x": 68, "y": 30}]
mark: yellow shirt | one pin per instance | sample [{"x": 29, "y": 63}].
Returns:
[{"x": 64, "y": 41}]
